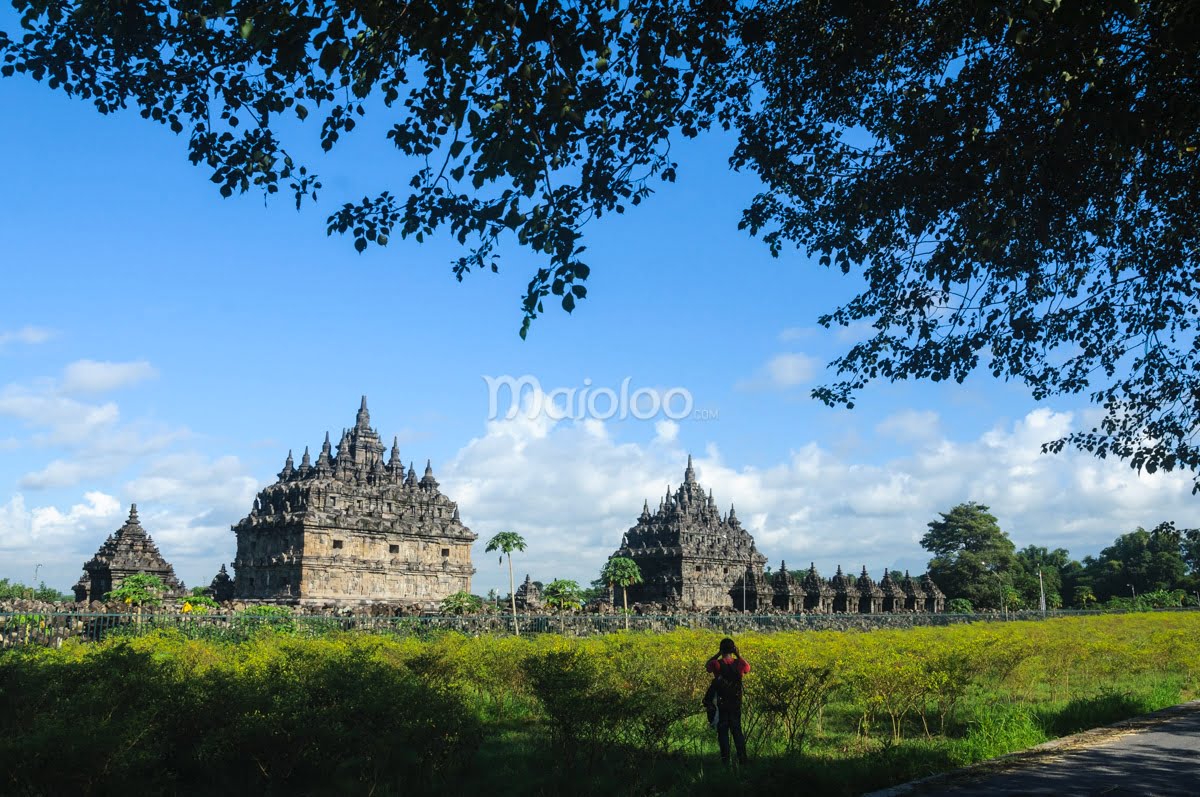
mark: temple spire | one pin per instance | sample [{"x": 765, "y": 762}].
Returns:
[
  {"x": 363, "y": 419},
  {"x": 324, "y": 460},
  {"x": 306, "y": 460},
  {"x": 689, "y": 474},
  {"x": 427, "y": 481},
  {"x": 133, "y": 518},
  {"x": 289, "y": 466}
]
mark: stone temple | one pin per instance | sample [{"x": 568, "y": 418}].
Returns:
[
  {"x": 351, "y": 528},
  {"x": 693, "y": 557},
  {"x": 689, "y": 553},
  {"x": 127, "y": 551}
]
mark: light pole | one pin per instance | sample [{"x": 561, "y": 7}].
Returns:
[
  {"x": 33, "y": 586},
  {"x": 1133, "y": 590},
  {"x": 1041, "y": 593}
]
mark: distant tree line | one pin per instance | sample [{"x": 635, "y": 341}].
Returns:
[
  {"x": 974, "y": 559},
  {"x": 14, "y": 590}
]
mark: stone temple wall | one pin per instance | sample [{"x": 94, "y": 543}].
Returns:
[{"x": 372, "y": 566}]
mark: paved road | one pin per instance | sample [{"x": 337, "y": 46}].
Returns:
[{"x": 1158, "y": 754}]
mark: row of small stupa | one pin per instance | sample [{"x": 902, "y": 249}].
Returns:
[{"x": 352, "y": 528}]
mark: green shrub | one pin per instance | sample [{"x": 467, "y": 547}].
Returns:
[
  {"x": 162, "y": 713},
  {"x": 959, "y": 606}
]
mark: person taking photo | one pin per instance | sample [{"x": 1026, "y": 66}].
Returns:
[{"x": 725, "y": 694}]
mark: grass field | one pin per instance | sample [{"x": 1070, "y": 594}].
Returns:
[{"x": 375, "y": 714}]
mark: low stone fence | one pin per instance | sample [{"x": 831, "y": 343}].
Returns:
[{"x": 52, "y": 628}]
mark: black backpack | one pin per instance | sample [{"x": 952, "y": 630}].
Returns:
[{"x": 728, "y": 682}]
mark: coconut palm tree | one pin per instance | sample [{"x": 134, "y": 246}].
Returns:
[
  {"x": 506, "y": 542},
  {"x": 623, "y": 571}
]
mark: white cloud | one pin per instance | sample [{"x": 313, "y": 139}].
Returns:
[
  {"x": 68, "y": 419},
  {"x": 788, "y": 370},
  {"x": 782, "y": 372},
  {"x": 28, "y": 335},
  {"x": 573, "y": 493},
  {"x": 59, "y": 540},
  {"x": 92, "y": 441},
  {"x": 187, "y": 502},
  {"x": 188, "y": 499},
  {"x": 91, "y": 376},
  {"x": 793, "y": 334},
  {"x": 909, "y": 425},
  {"x": 59, "y": 473}
]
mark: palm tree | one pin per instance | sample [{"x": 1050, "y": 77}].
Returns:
[
  {"x": 623, "y": 571},
  {"x": 562, "y": 595},
  {"x": 506, "y": 542}
]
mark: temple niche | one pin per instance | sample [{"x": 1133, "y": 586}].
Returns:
[
  {"x": 690, "y": 554},
  {"x": 352, "y": 528},
  {"x": 127, "y": 551}
]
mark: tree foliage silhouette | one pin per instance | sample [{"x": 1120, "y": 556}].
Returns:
[{"x": 1016, "y": 181}]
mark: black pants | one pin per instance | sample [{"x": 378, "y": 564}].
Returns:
[{"x": 730, "y": 721}]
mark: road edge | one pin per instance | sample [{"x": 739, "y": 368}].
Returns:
[{"x": 1033, "y": 755}]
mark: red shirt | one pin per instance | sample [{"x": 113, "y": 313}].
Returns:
[{"x": 714, "y": 664}]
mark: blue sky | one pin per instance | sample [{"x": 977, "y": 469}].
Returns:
[{"x": 162, "y": 345}]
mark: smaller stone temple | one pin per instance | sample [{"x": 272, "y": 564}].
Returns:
[
  {"x": 935, "y": 599},
  {"x": 818, "y": 594},
  {"x": 914, "y": 594},
  {"x": 788, "y": 594},
  {"x": 127, "y": 551},
  {"x": 528, "y": 596},
  {"x": 221, "y": 589},
  {"x": 893, "y": 595}
]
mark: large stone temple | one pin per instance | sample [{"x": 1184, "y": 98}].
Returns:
[
  {"x": 127, "y": 551},
  {"x": 689, "y": 553},
  {"x": 351, "y": 528}
]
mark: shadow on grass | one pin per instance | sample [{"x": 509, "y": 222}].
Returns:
[
  {"x": 518, "y": 762},
  {"x": 1106, "y": 708}
]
